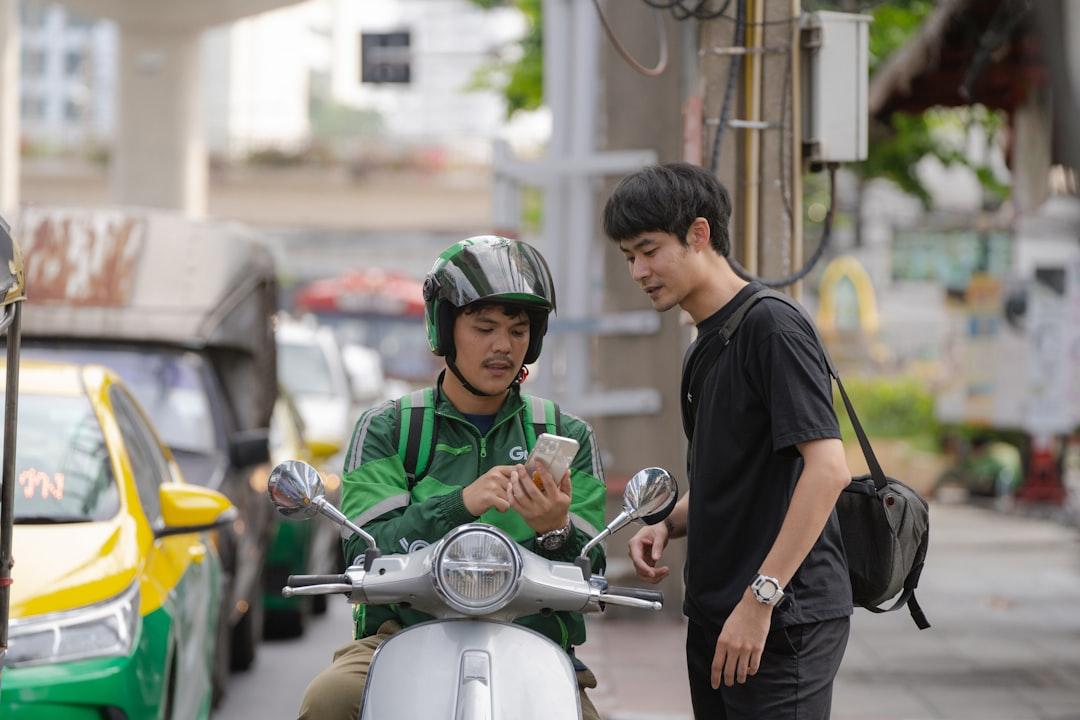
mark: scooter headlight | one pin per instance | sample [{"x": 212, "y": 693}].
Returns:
[{"x": 477, "y": 569}]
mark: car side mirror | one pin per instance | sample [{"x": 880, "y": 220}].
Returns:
[
  {"x": 249, "y": 447},
  {"x": 323, "y": 450},
  {"x": 191, "y": 509}
]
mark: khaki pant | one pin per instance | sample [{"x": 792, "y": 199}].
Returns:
[{"x": 336, "y": 692}]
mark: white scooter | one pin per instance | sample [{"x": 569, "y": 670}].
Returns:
[{"x": 471, "y": 662}]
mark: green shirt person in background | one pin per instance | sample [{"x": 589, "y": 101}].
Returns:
[{"x": 487, "y": 301}]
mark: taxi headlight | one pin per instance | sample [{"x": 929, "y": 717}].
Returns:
[
  {"x": 102, "y": 630},
  {"x": 477, "y": 569}
]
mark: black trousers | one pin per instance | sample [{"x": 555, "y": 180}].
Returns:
[{"x": 793, "y": 682}]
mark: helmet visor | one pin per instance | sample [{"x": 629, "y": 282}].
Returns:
[{"x": 508, "y": 270}]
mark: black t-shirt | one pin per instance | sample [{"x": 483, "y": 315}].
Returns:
[{"x": 766, "y": 391}]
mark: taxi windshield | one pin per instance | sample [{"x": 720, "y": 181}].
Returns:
[{"x": 62, "y": 466}]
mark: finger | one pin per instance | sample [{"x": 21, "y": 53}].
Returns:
[
  {"x": 730, "y": 663},
  {"x": 657, "y": 552},
  {"x": 565, "y": 484},
  {"x": 527, "y": 486},
  {"x": 501, "y": 504},
  {"x": 741, "y": 667},
  {"x": 717, "y": 665},
  {"x": 755, "y": 662}
]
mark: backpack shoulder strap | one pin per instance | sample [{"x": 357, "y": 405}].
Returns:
[
  {"x": 416, "y": 432},
  {"x": 541, "y": 416}
]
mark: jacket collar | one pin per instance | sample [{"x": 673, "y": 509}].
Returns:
[{"x": 512, "y": 405}]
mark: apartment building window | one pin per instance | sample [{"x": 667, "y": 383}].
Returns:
[
  {"x": 73, "y": 62},
  {"x": 73, "y": 111},
  {"x": 33, "y": 62},
  {"x": 32, "y": 14},
  {"x": 32, "y": 108}
]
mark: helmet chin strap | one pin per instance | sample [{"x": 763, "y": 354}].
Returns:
[{"x": 470, "y": 387}]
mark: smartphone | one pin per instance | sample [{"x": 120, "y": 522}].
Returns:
[{"x": 556, "y": 451}]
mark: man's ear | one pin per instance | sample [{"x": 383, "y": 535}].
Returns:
[{"x": 699, "y": 235}]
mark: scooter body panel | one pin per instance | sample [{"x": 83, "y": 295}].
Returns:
[{"x": 470, "y": 670}]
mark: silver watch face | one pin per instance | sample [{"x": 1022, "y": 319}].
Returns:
[{"x": 555, "y": 539}]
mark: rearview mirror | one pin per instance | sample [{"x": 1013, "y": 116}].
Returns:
[
  {"x": 650, "y": 496},
  {"x": 297, "y": 492},
  {"x": 249, "y": 447},
  {"x": 190, "y": 509}
]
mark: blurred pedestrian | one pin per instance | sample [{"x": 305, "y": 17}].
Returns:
[
  {"x": 767, "y": 591},
  {"x": 487, "y": 301}
]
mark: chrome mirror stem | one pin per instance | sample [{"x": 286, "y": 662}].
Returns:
[{"x": 328, "y": 509}]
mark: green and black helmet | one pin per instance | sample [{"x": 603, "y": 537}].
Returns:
[{"x": 487, "y": 267}]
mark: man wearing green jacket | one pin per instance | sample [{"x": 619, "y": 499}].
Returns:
[{"x": 451, "y": 454}]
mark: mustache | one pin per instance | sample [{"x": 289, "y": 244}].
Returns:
[{"x": 499, "y": 359}]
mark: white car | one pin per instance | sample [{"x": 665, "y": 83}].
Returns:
[{"x": 310, "y": 366}]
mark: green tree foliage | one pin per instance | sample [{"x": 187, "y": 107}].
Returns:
[
  {"x": 521, "y": 80},
  {"x": 938, "y": 132}
]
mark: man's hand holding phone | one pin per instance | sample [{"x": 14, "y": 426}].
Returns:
[{"x": 540, "y": 490}]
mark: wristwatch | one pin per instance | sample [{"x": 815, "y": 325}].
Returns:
[
  {"x": 554, "y": 539},
  {"x": 767, "y": 590}
]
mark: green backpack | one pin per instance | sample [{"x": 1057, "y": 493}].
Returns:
[{"x": 418, "y": 424}]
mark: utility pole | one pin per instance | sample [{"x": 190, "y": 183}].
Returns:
[
  {"x": 641, "y": 112},
  {"x": 760, "y": 155}
]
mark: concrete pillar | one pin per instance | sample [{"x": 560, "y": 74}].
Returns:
[
  {"x": 160, "y": 154},
  {"x": 1031, "y": 151},
  {"x": 9, "y": 108},
  {"x": 636, "y": 441}
]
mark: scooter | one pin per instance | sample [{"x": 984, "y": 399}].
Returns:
[{"x": 471, "y": 662}]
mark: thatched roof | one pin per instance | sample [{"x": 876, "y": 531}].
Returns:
[{"x": 967, "y": 51}]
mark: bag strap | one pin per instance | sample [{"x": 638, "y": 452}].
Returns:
[
  {"x": 416, "y": 432},
  {"x": 417, "y": 423},
  {"x": 727, "y": 332},
  {"x": 541, "y": 416},
  {"x": 910, "y": 583}
]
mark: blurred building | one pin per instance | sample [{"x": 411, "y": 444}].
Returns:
[
  {"x": 255, "y": 80},
  {"x": 255, "y": 75},
  {"x": 414, "y": 63},
  {"x": 68, "y": 76}
]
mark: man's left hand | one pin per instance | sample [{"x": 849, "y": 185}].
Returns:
[
  {"x": 543, "y": 510},
  {"x": 741, "y": 642}
]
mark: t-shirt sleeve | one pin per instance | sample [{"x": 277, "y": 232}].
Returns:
[{"x": 790, "y": 372}]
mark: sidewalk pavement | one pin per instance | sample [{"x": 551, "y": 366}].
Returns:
[{"x": 1002, "y": 594}]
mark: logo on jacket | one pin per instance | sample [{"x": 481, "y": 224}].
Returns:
[{"x": 517, "y": 453}]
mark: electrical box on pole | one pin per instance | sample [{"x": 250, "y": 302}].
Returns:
[{"x": 835, "y": 85}]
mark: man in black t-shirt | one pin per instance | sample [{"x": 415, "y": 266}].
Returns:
[{"x": 767, "y": 591}]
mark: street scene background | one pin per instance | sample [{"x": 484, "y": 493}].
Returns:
[{"x": 927, "y": 148}]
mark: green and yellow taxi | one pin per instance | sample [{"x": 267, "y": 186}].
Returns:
[
  {"x": 298, "y": 548},
  {"x": 117, "y": 581}
]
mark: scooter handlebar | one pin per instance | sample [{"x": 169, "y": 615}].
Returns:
[
  {"x": 636, "y": 593},
  {"x": 297, "y": 581}
]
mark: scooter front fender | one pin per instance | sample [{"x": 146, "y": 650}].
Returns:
[{"x": 470, "y": 670}]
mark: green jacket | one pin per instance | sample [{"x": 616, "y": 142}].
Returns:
[{"x": 375, "y": 495}]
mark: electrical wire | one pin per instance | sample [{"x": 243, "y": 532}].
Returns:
[
  {"x": 661, "y": 63},
  {"x": 826, "y": 236},
  {"x": 734, "y": 66}
]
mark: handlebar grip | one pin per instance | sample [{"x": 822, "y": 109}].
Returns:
[
  {"x": 636, "y": 593},
  {"x": 306, "y": 580}
]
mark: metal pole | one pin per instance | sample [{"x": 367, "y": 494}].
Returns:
[
  {"x": 7, "y": 480},
  {"x": 581, "y": 265},
  {"x": 752, "y": 159},
  {"x": 796, "y": 148}
]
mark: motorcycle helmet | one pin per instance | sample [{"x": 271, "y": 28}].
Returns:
[{"x": 488, "y": 268}]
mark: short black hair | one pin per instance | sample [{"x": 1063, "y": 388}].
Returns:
[
  {"x": 509, "y": 309},
  {"x": 668, "y": 198}
]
